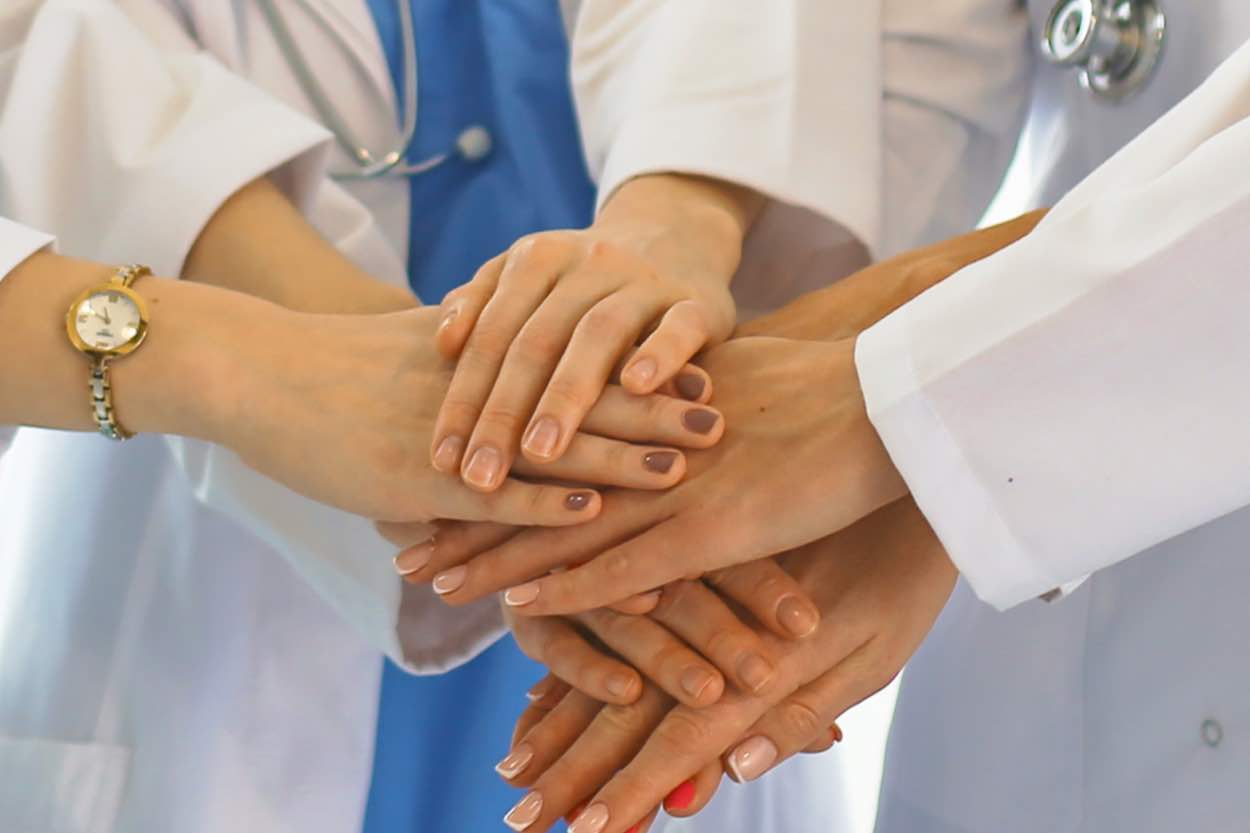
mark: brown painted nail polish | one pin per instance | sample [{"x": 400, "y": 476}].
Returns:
[
  {"x": 700, "y": 421},
  {"x": 578, "y": 501},
  {"x": 660, "y": 462},
  {"x": 690, "y": 386}
]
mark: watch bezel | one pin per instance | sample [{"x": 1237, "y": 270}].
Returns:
[{"x": 127, "y": 347}]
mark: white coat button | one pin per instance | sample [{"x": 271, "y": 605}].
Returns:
[{"x": 1212, "y": 732}]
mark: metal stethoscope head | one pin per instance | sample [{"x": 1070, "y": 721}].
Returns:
[
  {"x": 472, "y": 145},
  {"x": 1116, "y": 44}
]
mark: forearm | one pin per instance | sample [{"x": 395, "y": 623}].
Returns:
[
  {"x": 850, "y": 306},
  {"x": 260, "y": 244}
]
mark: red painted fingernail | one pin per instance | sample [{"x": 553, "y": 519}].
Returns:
[
  {"x": 575, "y": 812},
  {"x": 634, "y": 829},
  {"x": 836, "y": 731},
  {"x": 680, "y": 798}
]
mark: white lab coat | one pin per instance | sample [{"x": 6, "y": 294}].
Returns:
[
  {"x": 1074, "y": 406},
  {"x": 184, "y": 645}
]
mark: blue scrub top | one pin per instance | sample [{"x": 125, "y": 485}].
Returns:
[{"x": 502, "y": 64}]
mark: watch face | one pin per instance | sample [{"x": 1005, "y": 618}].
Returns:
[{"x": 106, "y": 320}]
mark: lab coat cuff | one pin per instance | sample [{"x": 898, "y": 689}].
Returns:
[
  {"x": 255, "y": 137},
  {"x": 434, "y": 638},
  {"x": 957, "y": 505},
  {"x": 17, "y": 243}
]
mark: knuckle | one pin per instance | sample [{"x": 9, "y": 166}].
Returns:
[
  {"x": 539, "y": 250},
  {"x": 801, "y": 721},
  {"x": 618, "y": 565},
  {"x": 674, "y": 599},
  {"x": 499, "y": 419},
  {"x": 568, "y": 393},
  {"x": 624, "y": 720},
  {"x": 537, "y": 345},
  {"x": 605, "y": 320},
  {"x": 684, "y": 730}
]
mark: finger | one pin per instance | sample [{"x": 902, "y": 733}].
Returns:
[
  {"x": 665, "y": 553},
  {"x": 692, "y": 384},
  {"x": 660, "y": 655},
  {"x": 475, "y": 537},
  {"x": 555, "y": 643},
  {"x": 527, "y": 277},
  {"x": 522, "y": 504},
  {"x": 405, "y": 534},
  {"x": 526, "y": 370},
  {"x": 599, "y": 339},
  {"x": 545, "y": 694},
  {"x": 637, "y": 605},
  {"x": 692, "y": 611},
  {"x": 771, "y": 594},
  {"x": 653, "y": 419},
  {"x": 545, "y": 741},
  {"x": 692, "y": 795},
  {"x": 682, "y": 333},
  {"x": 598, "y": 461},
  {"x": 611, "y": 739},
  {"x": 461, "y": 307},
  {"x": 802, "y": 719},
  {"x": 825, "y": 741}
]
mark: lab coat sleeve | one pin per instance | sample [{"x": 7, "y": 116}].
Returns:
[
  {"x": 1081, "y": 395},
  {"x": 17, "y": 243}
]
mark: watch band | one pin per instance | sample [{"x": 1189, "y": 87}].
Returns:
[{"x": 101, "y": 388}]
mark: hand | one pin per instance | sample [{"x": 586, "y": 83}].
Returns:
[
  {"x": 880, "y": 585},
  {"x": 540, "y": 328},
  {"x": 341, "y": 408},
  {"x": 799, "y": 461}
]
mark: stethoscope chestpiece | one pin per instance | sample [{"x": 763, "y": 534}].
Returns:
[{"x": 1116, "y": 44}]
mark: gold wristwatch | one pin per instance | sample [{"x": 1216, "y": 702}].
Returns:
[{"x": 105, "y": 323}]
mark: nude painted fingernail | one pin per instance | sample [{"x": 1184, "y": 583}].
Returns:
[
  {"x": 797, "y": 617},
  {"x": 700, "y": 420},
  {"x": 592, "y": 820},
  {"x": 690, "y": 386},
  {"x": 755, "y": 671},
  {"x": 695, "y": 681},
  {"x": 578, "y": 501},
  {"x": 640, "y": 373},
  {"x": 522, "y": 594},
  {"x": 753, "y": 758},
  {"x": 525, "y": 813},
  {"x": 539, "y": 690},
  {"x": 485, "y": 467},
  {"x": 447, "y": 456},
  {"x": 660, "y": 462},
  {"x": 619, "y": 685},
  {"x": 414, "y": 558},
  {"x": 450, "y": 317},
  {"x": 543, "y": 437},
  {"x": 516, "y": 762},
  {"x": 451, "y": 580}
]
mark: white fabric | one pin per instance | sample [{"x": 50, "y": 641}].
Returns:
[
  {"x": 1059, "y": 407},
  {"x": 17, "y": 243}
]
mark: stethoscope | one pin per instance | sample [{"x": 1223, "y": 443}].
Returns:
[
  {"x": 472, "y": 145},
  {"x": 1116, "y": 44}
]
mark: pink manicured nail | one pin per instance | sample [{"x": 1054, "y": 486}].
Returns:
[
  {"x": 543, "y": 437},
  {"x": 485, "y": 467},
  {"x": 640, "y": 373},
  {"x": 798, "y": 617},
  {"x": 525, "y": 813},
  {"x": 414, "y": 558},
  {"x": 449, "y": 581},
  {"x": 513, "y": 765},
  {"x": 753, "y": 758},
  {"x": 695, "y": 680},
  {"x": 447, "y": 455},
  {"x": 619, "y": 684},
  {"x": 592, "y": 820},
  {"x": 539, "y": 691},
  {"x": 756, "y": 672},
  {"x": 521, "y": 595}
]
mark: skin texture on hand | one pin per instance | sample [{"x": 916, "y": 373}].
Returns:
[
  {"x": 799, "y": 460},
  {"x": 341, "y": 408},
  {"x": 541, "y": 328},
  {"x": 880, "y": 586}
]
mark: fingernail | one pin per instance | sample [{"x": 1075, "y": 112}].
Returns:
[
  {"x": 753, "y": 758},
  {"x": 640, "y": 373},
  {"x": 574, "y": 813},
  {"x": 592, "y": 820},
  {"x": 414, "y": 558},
  {"x": 700, "y": 421},
  {"x": 690, "y": 386},
  {"x": 543, "y": 437},
  {"x": 755, "y": 672},
  {"x": 619, "y": 685},
  {"x": 694, "y": 681},
  {"x": 516, "y": 762},
  {"x": 450, "y": 317},
  {"x": 660, "y": 462},
  {"x": 578, "y": 501},
  {"x": 539, "y": 690},
  {"x": 447, "y": 456},
  {"x": 680, "y": 798},
  {"x": 525, "y": 813},
  {"x": 522, "y": 594},
  {"x": 635, "y": 828},
  {"x": 835, "y": 731},
  {"x": 797, "y": 617},
  {"x": 484, "y": 467},
  {"x": 451, "y": 580}
]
